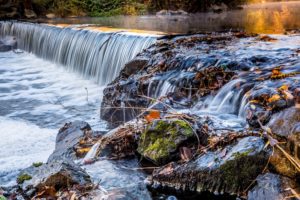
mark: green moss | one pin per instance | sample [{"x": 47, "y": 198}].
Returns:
[
  {"x": 238, "y": 155},
  {"x": 37, "y": 164},
  {"x": 2, "y": 197},
  {"x": 23, "y": 177},
  {"x": 162, "y": 139},
  {"x": 239, "y": 173}
]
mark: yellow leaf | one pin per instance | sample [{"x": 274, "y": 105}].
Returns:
[
  {"x": 273, "y": 98},
  {"x": 83, "y": 150},
  {"x": 284, "y": 87}
]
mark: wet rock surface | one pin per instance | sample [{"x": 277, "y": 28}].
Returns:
[
  {"x": 271, "y": 186},
  {"x": 182, "y": 71},
  {"x": 119, "y": 179},
  {"x": 285, "y": 124},
  {"x": 230, "y": 170},
  {"x": 175, "y": 61},
  {"x": 73, "y": 141},
  {"x": 57, "y": 174}
]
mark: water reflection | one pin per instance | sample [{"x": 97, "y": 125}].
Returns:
[
  {"x": 258, "y": 18},
  {"x": 273, "y": 19}
]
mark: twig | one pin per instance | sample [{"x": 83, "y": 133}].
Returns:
[{"x": 273, "y": 142}]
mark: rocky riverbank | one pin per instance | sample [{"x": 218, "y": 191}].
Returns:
[{"x": 208, "y": 115}]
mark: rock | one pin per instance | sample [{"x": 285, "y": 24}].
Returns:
[
  {"x": 120, "y": 194},
  {"x": 8, "y": 44},
  {"x": 119, "y": 142},
  {"x": 219, "y": 8},
  {"x": 173, "y": 69},
  {"x": 171, "y": 12},
  {"x": 121, "y": 103},
  {"x": 160, "y": 142},
  {"x": 133, "y": 66},
  {"x": 286, "y": 124},
  {"x": 74, "y": 140},
  {"x": 217, "y": 172},
  {"x": 50, "y": 15},
  {"x": 30, "y": 14},
  {"x": 56, "y": 173},
  {"x": 297, "y": 97},
  {"x": 271, "y": 186},
  {"x": 119, "y": 178}
]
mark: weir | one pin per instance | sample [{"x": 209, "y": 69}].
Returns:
[{"x": 93, "y": 54}]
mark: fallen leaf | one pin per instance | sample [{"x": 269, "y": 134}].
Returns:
[
  {"x": 273, "y": 98},
  {"x": 152, "y": 115}
]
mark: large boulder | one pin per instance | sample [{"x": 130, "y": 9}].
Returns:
[
  {"x": 229, "y": 170},
  {"x": 161, "y": 140}
]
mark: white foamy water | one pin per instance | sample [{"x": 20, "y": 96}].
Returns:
[
  {"x": 22, "y": 144},
  {"x": 36, "y": 98}
]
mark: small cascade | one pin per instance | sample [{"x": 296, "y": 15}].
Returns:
[
  {"x": 159, "y": 87},
  {"x": 227, "y": 99},
  {"x": 93, "y": 54},
  {"x": 242, "y": 110}
]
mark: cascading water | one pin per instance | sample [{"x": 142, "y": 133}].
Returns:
[
  {"x": 95, "y": 55},
  {"x": 227, "y": 99},
  {"x": 37, "y": 97}
]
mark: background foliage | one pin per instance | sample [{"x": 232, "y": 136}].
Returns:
[{"x": 123, "y": 7}]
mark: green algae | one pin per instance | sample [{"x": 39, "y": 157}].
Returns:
[
  {"x": 37, "y": 164},
  {"x": 22, "y": 178}
]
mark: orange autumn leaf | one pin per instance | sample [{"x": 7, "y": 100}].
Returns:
[
  {"x": 273, "y": 98},
  {"x": 153, "y": 114},
  {"x": 276, "y": 72}
]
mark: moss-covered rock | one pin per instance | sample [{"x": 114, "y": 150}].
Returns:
[
  {"x": 23, "y": 177},
  {"x": 162, "y": 138},
  {"x": 230, "y": 170},
  {"x": 37, "y": 164}
]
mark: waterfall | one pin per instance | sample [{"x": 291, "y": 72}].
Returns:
[{"x": 93, "y": 54}]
